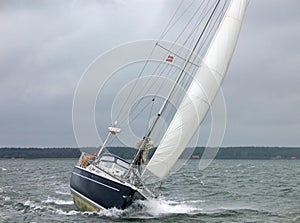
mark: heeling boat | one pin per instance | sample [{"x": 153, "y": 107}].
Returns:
[{"x": 104, "y": 180}]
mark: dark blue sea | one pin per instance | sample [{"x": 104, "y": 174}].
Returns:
[{"x": 227, "y": 191}]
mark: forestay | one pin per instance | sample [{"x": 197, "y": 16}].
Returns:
[{"x": 201, "y": 92}]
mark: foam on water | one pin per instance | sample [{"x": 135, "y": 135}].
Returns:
[
  {"x": 159, "y": 207},
  {"x": 6, "y": 198},
  {"x": 33, "y": 205},
  {"x": 296, "y": 219},
  {"x": 140, "y": 209},
  {"x": 57, "y": 201},
  {"x": 113, "y": 212},
  {"x": 222, "y": 199},
  {"x": 67, "y": 213},
  {"x": 151, "y": 209},
  {"x": 62, "y": 192}
]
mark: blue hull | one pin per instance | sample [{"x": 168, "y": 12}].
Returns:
[{"x": 100, "y": 192}]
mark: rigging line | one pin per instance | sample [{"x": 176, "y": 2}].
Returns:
[
  {"x": 184, "y": 83},
  {"x": 166, "y": 66},
  {"x": 175, "y": 53},
  {"x": 166, "y": 30},
  {"x": 217, "y": 21},
  {"x": 137, "y": 113},
  {"x": 176, "y": 98},
  {"x": 122, "y": 107},
  {"x": 201, "y": 18},
  {"x": 111, "y": 140},
  {"x": 151, "y": 110},
  {"x": 195, "y": 13},
  {"x": 200, "y": 37},
  {"x": 147, "y": 91},
  {"x": 248, "y": 2},
  {"x": 164, "y": 81},
  {"x": 207, "y": 35},
  {"x": 214, "y": 26},
  {"x": 198, "y": 9},
  {"x": 205, "y": 11},
  {"x": 189, "y": 22},
  {"x": 140, "y": 74},
  {"x": 150, "y": 113},
  {"x": 180, "y": 74},
  {"x": 164, "y": 34},
  {"x": 177, "y": 37},
  {"x": 159, "y": 66},
  {"x": 148, "y": 60},
  {"x": 193, "y": 33},
  {"x": 180, "y": 35},
  {"x": 151, "y": 86},
  {"x": 163, "y": 70},
  {"x": 135, "y": 117},
  {"x": 197, "y": 27},
  {"x": 171, "y": 47},
  {"x": 159, "y": 75},
  {"x": 176, "y": 40},
  {"x": 170, "y": 21},
  {"x": 187, "y": 25},
  {"x": 162, "y": 67}
]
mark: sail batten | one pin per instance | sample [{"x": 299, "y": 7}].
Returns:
[{"x": 200, "y": 93}]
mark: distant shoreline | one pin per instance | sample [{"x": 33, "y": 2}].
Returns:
[
  {"x": 244, "y": 152},
  {"x": 38, "y": 153}
]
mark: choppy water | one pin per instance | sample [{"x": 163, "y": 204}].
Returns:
[{"x": 227, "y": 191}]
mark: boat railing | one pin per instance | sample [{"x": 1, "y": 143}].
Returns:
[
  {"x": 79, "y": 162},
  {"x": 119, "y": 168},
  {"x": 112, "y": 165},
  {"x": 107, "y": 163},
  {"x": 116, "y": 167}
]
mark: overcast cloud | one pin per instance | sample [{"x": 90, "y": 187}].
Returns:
[{"x": 46, "y": 46}]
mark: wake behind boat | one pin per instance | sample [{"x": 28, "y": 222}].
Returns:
[{"x": 104, "y": 180}]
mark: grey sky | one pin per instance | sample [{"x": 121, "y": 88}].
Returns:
[{"x": 46, "y": 46}]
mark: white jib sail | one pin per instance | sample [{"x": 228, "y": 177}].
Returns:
[{"x": 201, "y": 92}]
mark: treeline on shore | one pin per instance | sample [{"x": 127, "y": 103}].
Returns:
[
  {"x": 249, "y": 152},
  {"x": 37, "y": 153}
]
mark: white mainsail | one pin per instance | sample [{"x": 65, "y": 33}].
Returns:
[{"x": 201, "y": 92}]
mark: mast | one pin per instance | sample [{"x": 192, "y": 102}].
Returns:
[
  {"x": 163, "y": 107},
  {"x": 201, "y": 92}
]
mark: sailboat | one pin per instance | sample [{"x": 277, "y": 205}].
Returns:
[{"x": 105, "y": 180}]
